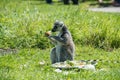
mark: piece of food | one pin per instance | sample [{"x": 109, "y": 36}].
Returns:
[
  {"x": 48, "y": 33},
  {"x": 42, "y": 63}
]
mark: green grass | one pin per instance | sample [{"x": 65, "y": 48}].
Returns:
[
  {"x": 25, "y": 66},
  {"x": 23, "y": 24}
]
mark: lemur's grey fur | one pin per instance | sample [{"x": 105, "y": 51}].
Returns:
[{"x": 64, "y": 46}]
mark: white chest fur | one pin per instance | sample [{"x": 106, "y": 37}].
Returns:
[{"x": 58, "y": 46}]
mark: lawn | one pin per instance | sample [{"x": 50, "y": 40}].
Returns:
[{"x": 22, "y": 27}]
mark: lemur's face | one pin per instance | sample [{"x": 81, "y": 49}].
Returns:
[{"x": 58, "y": 25}]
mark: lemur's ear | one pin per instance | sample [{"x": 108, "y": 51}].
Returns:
[{"x": 56, "y": 21}]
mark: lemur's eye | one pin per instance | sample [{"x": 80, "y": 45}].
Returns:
[
  {"x": 55, "y": 27},
  {"x": 61, "y": 25}
]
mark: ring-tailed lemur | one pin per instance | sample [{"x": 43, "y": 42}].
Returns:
[{"x": 64, "y": 46}]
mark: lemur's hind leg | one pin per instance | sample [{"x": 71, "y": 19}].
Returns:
[
  {"x": 66, "y": 55},
  {"x": 53, "y": 56}
]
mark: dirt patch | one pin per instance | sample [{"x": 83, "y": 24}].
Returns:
[{"x": 8, "y": 51}]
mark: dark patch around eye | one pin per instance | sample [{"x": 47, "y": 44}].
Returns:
[{"x": 55, "y": 27}]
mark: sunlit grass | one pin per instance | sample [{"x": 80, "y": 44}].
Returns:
[{"x": 25, "y": 22}]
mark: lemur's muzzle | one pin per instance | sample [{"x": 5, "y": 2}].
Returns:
[{"x": 53, "y": 30}]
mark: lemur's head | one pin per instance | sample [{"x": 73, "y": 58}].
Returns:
[{"x": 58, "y": 25}]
